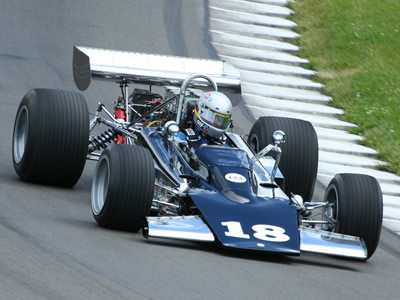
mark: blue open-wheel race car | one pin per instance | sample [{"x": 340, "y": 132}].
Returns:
[{"x": 157, "y": 171}]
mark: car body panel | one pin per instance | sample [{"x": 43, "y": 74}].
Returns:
[{"x": 260, "y": 224}]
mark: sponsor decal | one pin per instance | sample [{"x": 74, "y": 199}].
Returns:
[
  {"x": 202, "y": 125},
  {"x": 207, "y": 97},
  {"x": 234, "y": 177},
  {"x": 199, "y": 123}
]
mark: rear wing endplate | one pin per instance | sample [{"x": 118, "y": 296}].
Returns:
[{"x": 149, "y": 69}]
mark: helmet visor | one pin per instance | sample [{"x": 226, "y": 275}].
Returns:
[{"x": 215, "y": 119}]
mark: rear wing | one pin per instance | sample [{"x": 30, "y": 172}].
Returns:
[{"x": 152, "y": 69}]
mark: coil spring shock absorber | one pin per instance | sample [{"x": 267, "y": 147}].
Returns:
[{"x": 101, "y": 141}]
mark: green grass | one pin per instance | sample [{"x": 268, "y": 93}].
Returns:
[{"x": 354, "y": 45}]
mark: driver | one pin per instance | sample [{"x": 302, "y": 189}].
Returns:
[{"x": 211, "y": 118}]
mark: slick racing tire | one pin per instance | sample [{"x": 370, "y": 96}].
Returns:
[
  {"x": 357, "y": 207},
  {"x": 299, "y": 160},
  {"x": 50, "y": 139},
  {"x": 123, "y": 187}
]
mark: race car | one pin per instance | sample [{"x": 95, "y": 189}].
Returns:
[{"x": 253, "y": 192}]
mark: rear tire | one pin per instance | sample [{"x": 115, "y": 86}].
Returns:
[
  {"x": 299, "y": 160},
  {"x": 357, "y": 207},
  {"x": 51, "y": 134},
  {"x": 123, "y": 187}
]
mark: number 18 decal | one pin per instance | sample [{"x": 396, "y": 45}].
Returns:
[{"x": 263, "y": 232}]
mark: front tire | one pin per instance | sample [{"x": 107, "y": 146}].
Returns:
[
  {"x": 123, "y": 187},
  {"x": 50, "y": 139},
  {"x": 357, "y": 207},
  {"x": 299, "y": 160}
]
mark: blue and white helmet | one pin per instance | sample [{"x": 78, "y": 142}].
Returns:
[{"x": 212, "y": 114}]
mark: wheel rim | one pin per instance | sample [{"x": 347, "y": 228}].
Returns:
[
  {"x": 100, "y": 185},
  {"x": 331, "y": 213},
  {"x": 20, "y": 134}
]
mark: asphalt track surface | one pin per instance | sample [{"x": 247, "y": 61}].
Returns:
[{"x": 50, "y": 246}]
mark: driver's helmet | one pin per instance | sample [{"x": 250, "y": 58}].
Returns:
[{"x": 212, "y": 114}]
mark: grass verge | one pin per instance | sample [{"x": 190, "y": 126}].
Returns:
[{"x": 355, "y": 47}]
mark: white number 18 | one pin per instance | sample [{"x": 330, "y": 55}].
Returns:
[{"x": 263, "y": 232}]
